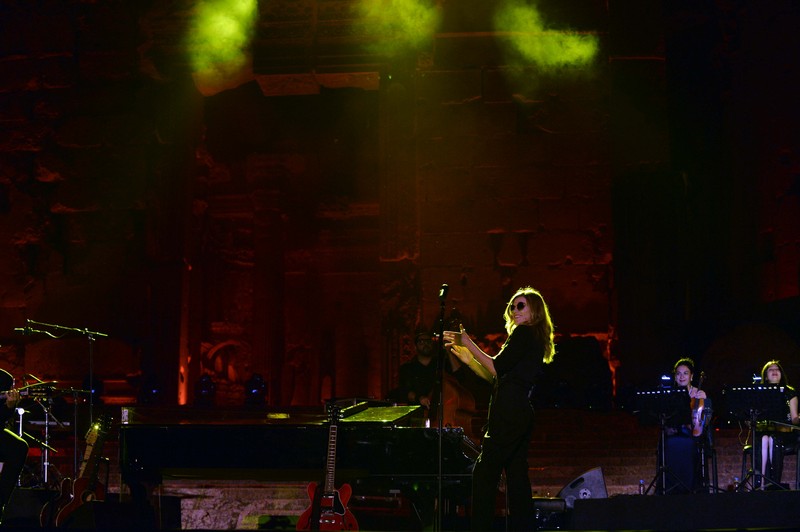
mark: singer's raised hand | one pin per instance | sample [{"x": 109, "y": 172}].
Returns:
[{"x": 452, "y": 338}]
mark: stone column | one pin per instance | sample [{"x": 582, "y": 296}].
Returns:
[{"x": 268, "y": 291}]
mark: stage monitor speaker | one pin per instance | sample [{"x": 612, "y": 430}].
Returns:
[{"x": 590, "y": 485}]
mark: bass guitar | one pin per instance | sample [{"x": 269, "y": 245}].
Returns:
[
  {"x": 86, "y": 486},
  {"x": 328, "y": 508}
]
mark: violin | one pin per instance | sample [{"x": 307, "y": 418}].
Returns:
[{"x": 697, "y": 405}]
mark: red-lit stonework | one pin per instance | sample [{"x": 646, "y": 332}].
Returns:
[{"x": 298, "y": 224}]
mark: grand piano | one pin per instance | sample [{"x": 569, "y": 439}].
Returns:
[{"x": 379, "y": 449}]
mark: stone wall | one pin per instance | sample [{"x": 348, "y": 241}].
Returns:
[{"x": 298, "y": 222}]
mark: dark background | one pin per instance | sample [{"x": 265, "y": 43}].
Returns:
[{"x": 299, "y": 223}]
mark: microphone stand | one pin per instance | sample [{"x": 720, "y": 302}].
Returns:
[
  {"x": 440, "y": 407},
  {"x": 90, "y": 335}
]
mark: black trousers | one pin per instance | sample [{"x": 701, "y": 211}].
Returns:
[{"x": 505, "y": 447}]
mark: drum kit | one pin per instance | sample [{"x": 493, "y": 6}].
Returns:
[
  {"x": 39, "y": 411},
  {"x": 36, "y": 413}
]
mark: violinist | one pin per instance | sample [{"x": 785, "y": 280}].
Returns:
[
  {"x": 13, "y": 449},
  {"x": 681, "y": 447},
  {"x": 779, "y": 435}
]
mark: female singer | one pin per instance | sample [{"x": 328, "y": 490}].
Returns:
[
  {"x": 773, "y": 443},
  {"x": 513, "y": 372}
]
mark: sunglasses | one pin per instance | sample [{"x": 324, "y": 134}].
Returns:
[{"x": 519, "y": 306}]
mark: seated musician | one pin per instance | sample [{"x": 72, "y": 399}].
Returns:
[
  {"x": 417, "y": 377},
  {"x": 681, "y": 456},
  {"x": 13, "y": 449},
  {"x": 777, "y": 436}
]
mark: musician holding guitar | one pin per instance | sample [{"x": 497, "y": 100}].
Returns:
[
  {"x": 778, "y": 434},
  {"x": 13, "y": 449},
  {"x": 682, "y": 442}
]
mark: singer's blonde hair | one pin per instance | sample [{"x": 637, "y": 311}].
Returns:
[{"x": 540, "y": 319}]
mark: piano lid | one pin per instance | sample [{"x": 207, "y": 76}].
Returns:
[{"x": 360, "y": 413}]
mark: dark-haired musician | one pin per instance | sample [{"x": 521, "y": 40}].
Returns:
[
  {"x": 13, "y": 449},
  {"x": 776, "y": 436},
  {"x": 682, "y": 442}
]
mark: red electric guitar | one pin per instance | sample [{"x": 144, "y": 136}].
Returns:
[
  {"x": 86, "y": 487},
  {"x": 328, "y": 509}
]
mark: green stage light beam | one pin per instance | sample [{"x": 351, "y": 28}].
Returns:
[
  {"x": 400, "y": 25},
  {"x": 219, "y": 39},
  {"x": 534, "y": 42}
]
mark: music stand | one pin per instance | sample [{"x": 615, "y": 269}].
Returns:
[
  {"x": 754, "y": 403},
  {"x": 663, "y": 405}
]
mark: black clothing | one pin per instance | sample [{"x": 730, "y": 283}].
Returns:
[
  {"x": 682, "y": 452},
  {"x": 507, "y": 439},
  {"x": 781, "y": 440},
  {"x": 13, "y": 449},
  {"x": 417, "y": 378}
]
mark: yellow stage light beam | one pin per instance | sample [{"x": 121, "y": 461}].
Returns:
[
  {"x": 400, "y": 25},
  {"x": 534, "y": 42},
  {"x": 218, "y": 42}
]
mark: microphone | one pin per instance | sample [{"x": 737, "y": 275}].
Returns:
[
  {"x": 24, "y": 330},
  {"x": 443, "y": 292}
]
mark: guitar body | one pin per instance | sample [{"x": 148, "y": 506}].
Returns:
[
  {"x": 51, "y": 509},
  {"x": 328, "y": 511},
  {"x": 86, "y": 487},
  {"x": 83, "y": 490}
]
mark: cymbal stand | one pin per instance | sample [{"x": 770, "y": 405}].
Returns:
[
  {"x": 20, "y": 412},
  {"x": 48, "y": 415}
]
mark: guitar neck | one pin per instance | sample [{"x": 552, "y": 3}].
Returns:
[
  {"x": 330, "y": 463},
  {"x": 94, "y": 447}
]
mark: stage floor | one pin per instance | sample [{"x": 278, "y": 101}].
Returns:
[{"x": 756, "y": 510}]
